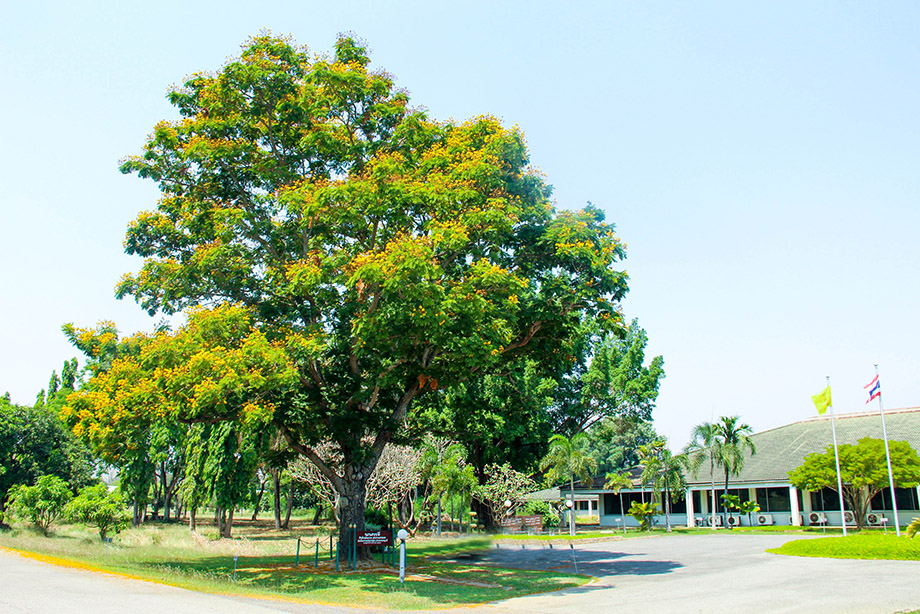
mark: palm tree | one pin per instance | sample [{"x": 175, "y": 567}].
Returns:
[
  {"x": 617, "y": 482},
  {"x": 438, "y": 457},
  {"x": 670, "y": 479},
  {"x": 664, "y": 472},
  {"x": 649, "y": 454},
  {"x": 704, "y": 444},
  {"x": 566, "y": 461},
  {"x": 733, "y": 438},
  {"x": 455, "y": 479}
]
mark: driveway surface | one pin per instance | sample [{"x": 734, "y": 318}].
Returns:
[{"x": 676, "y": 574}]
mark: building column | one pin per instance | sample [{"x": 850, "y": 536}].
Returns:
[
  {"x": 590, "y": 507},
  {"x": 796, "y": 512},
  {"x": 806, "y": 507},
  {"x": 752, "y": 496},
  {"x": 688, "y": 497}
]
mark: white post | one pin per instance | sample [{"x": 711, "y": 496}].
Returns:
[
  {"x": 402, "y": 535},
  {"x": 688, "y": 497},
  {"x": 796, "y": 512},
  {"x": 894, "y": 501},
  {"x": 843, "y": 520}
]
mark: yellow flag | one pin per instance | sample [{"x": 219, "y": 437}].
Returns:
[{"x": 822, "y": 400}]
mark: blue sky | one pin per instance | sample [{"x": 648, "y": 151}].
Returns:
[{"x": 759, "y": 158}]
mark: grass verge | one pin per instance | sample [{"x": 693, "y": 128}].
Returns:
[
  {"x": 859, "y": 546},
  {"x": 265, "y": 567}
]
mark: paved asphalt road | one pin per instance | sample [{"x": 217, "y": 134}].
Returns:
[{"x": 680, "y": 574}]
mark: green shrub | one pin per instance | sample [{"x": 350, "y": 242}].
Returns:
[
  {"x": 41, "y": 504},
  {"x": 543, "y": 508},
  {"x": 95, "y": 505},
  {"x": 644, "y": 513}
]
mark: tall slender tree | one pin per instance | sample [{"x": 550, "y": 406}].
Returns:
[
  {"x": 566, "y": 461},
  {"x": 733, "y": 440},
  {"x": 617, "y": 482},
  {"x": 704, "y": 446}
]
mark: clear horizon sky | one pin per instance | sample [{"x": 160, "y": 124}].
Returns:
[{"x": 759, "y": 158}]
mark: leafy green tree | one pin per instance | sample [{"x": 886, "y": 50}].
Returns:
[
  {"x": 387, "y": 253},
  {"x": 503, "y": 485},
  {"x": 42, "y": 503},
  {"x": 113, "y": 414},
  {"x": 863, "y": 471},
  {"x": 498, "y": 418},
  {"x": 566, "y": 461},
  {"x": 733, "y": 439},
  {"x": 95, "y": 505},
  {"x": 614, "y": 442},
  {"x": 644, "y": 513},
  {"x": 222, "y": 462},
  {"x": 617, "y": 482},
  {"x": 216, "y": 372},
  {"x": 616, "y": 381},
  {"x": 33, "y": 443}
]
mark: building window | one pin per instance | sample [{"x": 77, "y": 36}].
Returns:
[
  {"x": 612, "y": 501},
  {"x": 774, "y": 499},
  {"x": 906, "y": 498},
  {"x": 678, "y": 507},
  {"x": 825, "y": 500}
]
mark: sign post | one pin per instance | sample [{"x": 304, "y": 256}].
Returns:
[{"x": 402, "y": 535}]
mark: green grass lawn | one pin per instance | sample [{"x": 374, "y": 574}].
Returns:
[
  {"x": 266, "y": 567},
  {"x": 858, "y": 546}
]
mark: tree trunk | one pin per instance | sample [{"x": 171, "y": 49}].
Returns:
[
  {"x": 351, "y": 502},
  {"x": 290, "y": 506},
  {"x": 667, "y": 509},
  {"x": 228, "y": 525},
  {"x": 572, "y": 508},
  {"x": 255, "y": 510},
  {"x": 276, "y": 482},
  {"x": 318, "y": 514},
  {"x": 192, "y": 519},
  {"x": 483, "y": 514}
]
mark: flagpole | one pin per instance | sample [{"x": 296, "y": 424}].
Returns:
[
  {"x": 894, "y": 499},
  {"x": 843, "y": 515}
]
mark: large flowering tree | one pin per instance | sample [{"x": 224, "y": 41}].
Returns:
[{"x": 386, "y": 253}]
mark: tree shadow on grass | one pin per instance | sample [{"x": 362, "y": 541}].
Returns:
[{"x": 279, "y": 575}]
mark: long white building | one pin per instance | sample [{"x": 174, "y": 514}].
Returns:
[{"x": 765, "y": 479}]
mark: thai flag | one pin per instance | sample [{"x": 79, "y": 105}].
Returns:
[{"x": 874, "y": 388}]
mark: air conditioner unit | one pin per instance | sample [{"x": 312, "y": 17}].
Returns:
[
  {"x": 734, "y": 521},
  {"x": 817, "y": 518},
  {"x": 849, "y": 517},
  {"x": 764, "y": 519},
  {"x": 718, "y": 521},
  {"x": 873, "y": 519},
  {"x": 801, "y": 520}
]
